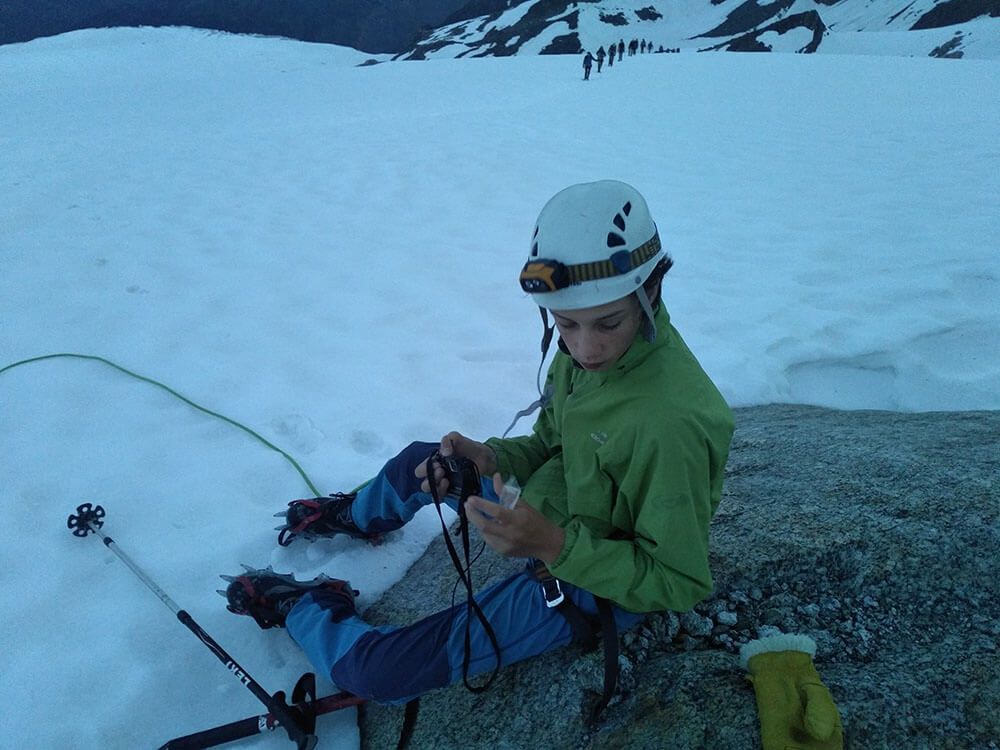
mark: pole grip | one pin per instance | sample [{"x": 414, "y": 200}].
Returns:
[{"x": 285, "y": 715}]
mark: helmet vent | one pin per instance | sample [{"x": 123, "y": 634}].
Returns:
[
  {"x": 534, "y": 243},
  {"x": 615, "y": 240},
  {"x": 627, "y": 208},
  {"x": 619, "y": 222}
]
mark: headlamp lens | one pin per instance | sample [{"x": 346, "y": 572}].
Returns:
[{"x": 539, "y": 276}]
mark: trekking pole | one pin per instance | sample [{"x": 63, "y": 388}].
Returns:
[{"x": 298, "y": 721}]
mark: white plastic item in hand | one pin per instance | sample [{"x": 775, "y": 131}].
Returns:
[{"x": 510, "y": 493}]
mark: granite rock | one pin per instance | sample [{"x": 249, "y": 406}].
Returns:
[{"x": 875, "y": 533}]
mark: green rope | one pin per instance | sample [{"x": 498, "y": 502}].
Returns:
[{"x": 172, "y": 392}]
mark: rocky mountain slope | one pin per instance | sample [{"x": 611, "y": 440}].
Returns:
[
  {"x": 420, "y": 29},
  {"x": 941, "y": 28}
]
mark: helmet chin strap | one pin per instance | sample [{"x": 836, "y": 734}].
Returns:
[
  {"x": 549, "y": 331},
  {"x": 649, "y": 324},
  {"x": 543, "y": 396}
]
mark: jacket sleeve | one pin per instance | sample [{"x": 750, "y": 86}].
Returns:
[
  {"x": 521, "y": 456},
  {"x": 656, "y": 556}
]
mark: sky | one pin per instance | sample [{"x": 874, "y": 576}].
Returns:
[{"x": 328, "y": 254}]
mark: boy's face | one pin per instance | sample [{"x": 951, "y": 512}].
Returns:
[{"x": 598, "y": 336}]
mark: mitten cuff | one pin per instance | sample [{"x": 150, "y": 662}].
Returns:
[{"x": 784, "y": 642}]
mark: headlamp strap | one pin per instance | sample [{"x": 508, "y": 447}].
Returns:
[
  {"x": 543, "y": 275},
  {"x": 620, "y": 263}
]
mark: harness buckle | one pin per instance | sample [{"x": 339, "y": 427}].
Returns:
[
  {"x": 552, "y": 592},
  {"x": 551, "y": 589}
]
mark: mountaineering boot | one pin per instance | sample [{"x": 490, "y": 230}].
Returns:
[
  {"x": 268, "y": 597},
  {"x": 321, "y": 517}
]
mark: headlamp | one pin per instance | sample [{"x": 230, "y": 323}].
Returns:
[{"x": 543, "y": 275}]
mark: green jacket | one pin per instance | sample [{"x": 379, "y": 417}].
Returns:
[{"x": 630, "y": 463}]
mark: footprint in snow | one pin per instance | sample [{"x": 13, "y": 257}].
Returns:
[
  {"x": 298, "y": 432},
  {"x": 366, "y": 442}
]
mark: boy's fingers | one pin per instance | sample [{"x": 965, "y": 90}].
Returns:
[
  {"x": 449, "y": 443},
  {"x": 486, "y": 510}
]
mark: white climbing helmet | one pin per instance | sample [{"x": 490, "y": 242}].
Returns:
[{"x": 593, "y": 243}]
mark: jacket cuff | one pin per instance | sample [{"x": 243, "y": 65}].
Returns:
[
  {"x": 772, "y": 643},
  {"x": 503, "y": 465},
  {"x": 571, "y": 531}
]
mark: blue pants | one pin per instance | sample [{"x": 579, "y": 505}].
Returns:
[{"x": 391, "y": 664}]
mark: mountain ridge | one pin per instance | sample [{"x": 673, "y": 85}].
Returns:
[
  {"x": 424, "y": 29},
  {"x": 377, "y": 26}
]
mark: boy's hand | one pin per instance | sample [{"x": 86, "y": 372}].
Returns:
[
  {"x": 520, "y": 531},
  {"x": 456, "y": 444}
]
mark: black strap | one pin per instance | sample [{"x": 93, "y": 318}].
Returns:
[
  {"x": 609, "y": 636},
  {"x": 583, "y": 627},
  {"x": 409, "y": 722},
  {"x": 585, "y": 630},
  {"x": 465, "y": 575}
]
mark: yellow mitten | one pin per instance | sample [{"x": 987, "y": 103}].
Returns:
[{"x": 796, "y": 710}]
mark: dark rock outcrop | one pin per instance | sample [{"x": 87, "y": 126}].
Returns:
[
  {"x": 614, "y": 19},
  {"x": 951, "y": 49},
  {"x": 501, "y": 42},
  {"x": 751, "y": 42},
  {"x": 952, "y": 12},
  {"x": 566, "y": 44},
  {"x": 876, "y": 533},
  {"x": 649, "y": 13},
  {"x": 749, "y": 16}
]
